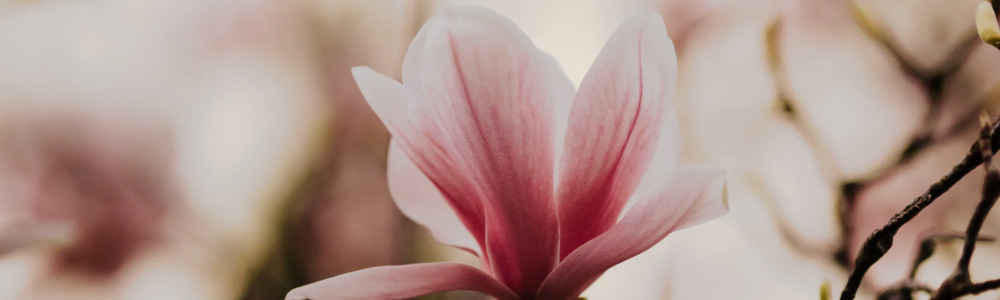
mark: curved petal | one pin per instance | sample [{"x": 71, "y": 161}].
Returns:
[
  {"x": 482, "y": 93},
  {"x": 402, "y": 282},
  {"x": 692, "y": 195},
  {"x": 418, "y": 199},
  {"x": 667, "y": 156},
  {"x": 613, "y": 127},
  {"x": 390, "y": 103}
]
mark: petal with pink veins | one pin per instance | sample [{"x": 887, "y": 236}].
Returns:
[
  {"x": 421, "y": 201},
  {"x": 481, "y": 100},
  {"x": 614, "y": 126},
  {"x": 692, "y": 195},
  {"x": 390, "y": 103},
  {"x": 667, "y": 156},
  {"x": 403, "y": 282}
]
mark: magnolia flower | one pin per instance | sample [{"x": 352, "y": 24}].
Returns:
[{"x": 478, "y": 123}]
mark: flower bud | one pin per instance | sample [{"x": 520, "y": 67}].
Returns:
[
  {"x": 986, "y": 24},
  {"x": 824, "y": 291}
]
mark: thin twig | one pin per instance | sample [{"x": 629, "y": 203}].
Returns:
[
  {"x": 982, "y": 151},
  {"x": 929, "y": 244},
  {"x": 973, "y": 289},
  {"x": 881, "y": 239},
  {"x": 958, "y": 282},
  {"x": 981, "y": 287},
  {"x": 991, "y": 190},
  {"x": 932, "y": 80},
  {"x": 904, "y": 291}
]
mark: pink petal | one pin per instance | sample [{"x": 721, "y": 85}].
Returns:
[
  {"x": 667, "y": 156},
  {"x": 482, "y": 95},
  {"x": 402, "y": 282},
  {"x": 421, "y": 201},
  {"x": 692, "y": 195},
  {"x": 389, "y": 101},
  {"x": 614, "y": 127}
]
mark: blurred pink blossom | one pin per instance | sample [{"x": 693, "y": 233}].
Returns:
[
  {"x": 826, "y": 112},
  {"x": 101, "y": 189},
  {"x": 142, "y": 144},
  {"x": 478, "y": 130}
]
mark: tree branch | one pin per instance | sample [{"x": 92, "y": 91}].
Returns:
[
  {"x": 881, "y": 239},
  {"x": 957, "y": 283}
]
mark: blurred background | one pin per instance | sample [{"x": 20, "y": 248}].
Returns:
[{"x": 219, "y": 149}]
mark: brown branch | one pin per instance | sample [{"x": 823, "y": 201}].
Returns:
[
  {"x": 904, "y": 291},
  {"x": 981, "y": 287},
  {"x": 991, "y": 190},
  {"x": 881, "y": 239},
  {"x": 972, "y": 289},
  {"x": 958, "y": 282},
  {"x": 933, "y": 82},
  {"x": 982, "y": 151},
  {"x": 929, "y": 244}
]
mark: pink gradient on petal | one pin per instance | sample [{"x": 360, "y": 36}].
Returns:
[
  {"x": 667, "y": 156},
  {"x": 484, "y": 94},
  {"x": 421, "y": 201},
  {"x": 691, "y": 196},
  {"x": 403, "y": 282},
  {"x": 389, "y": 101},
  {"x": 614, "y": 126},
  {"x": 476, "y": 130}
]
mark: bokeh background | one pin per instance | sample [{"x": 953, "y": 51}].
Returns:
[{"x": 219, "y": 149}]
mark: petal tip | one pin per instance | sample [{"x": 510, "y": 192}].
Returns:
[
  {"x": 649, "y": 19},
  {"x": 296, "y": 294},
  {"x": 717, "y": 192},
  {"x": 361, "y": 71},
  {"x": 651, "y": 14},
  {"x": 713, "y": 201},
  {"x": 724, "y": 193}
]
